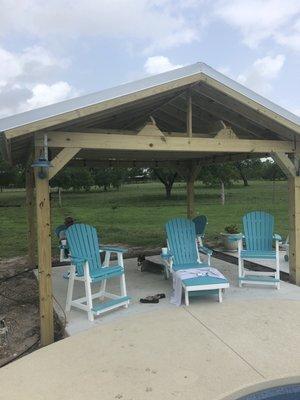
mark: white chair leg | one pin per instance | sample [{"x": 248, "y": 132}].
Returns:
[
  {"x": 106, "y": 259},
  {"x": 167, "y": 272},
  {"x": 241, "y": 271},
  {"x": 123, "y": 288},
  {"x": 220, "y": 296},
  {"x": 89, "y": 300},
  {"x": 277, "y": 275},
  {"x": 70, "y": 289},
  {"x": 186, "y": 296},
  {"x": 103, "y": 287}
]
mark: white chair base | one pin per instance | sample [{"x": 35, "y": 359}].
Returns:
[
  {"x": 268, "y": 278},
  {"x": 197, "y": 288},
  {"x": 86, "y": 303}
]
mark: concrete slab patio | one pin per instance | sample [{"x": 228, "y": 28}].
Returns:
[
  {"x": 144, "y": 284},
  {"x": 205, "y": 351}
]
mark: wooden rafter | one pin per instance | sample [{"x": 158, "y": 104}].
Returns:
[
  {"x": 224, "y": 113},
  {"x": 244, "y": 107},
  {"x": 189, "y": 113}
]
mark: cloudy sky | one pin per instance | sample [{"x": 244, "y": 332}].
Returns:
[{"x": 54, "y": 50}]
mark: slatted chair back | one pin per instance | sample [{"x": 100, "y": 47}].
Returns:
[
  {"x": 83, "y": 243},
  {"x": 258, "y": 230},
  {"x": 200, "y": 224},
  {"x": 59, "y": 229},
  {"x": 181, "y": 234}
]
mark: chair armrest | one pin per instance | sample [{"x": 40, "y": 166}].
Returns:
[
  {"x": 79, "y": 259},
  {"x": 236, "y": 238},
  {"x": 277, "y": 237},
  {"x": 166, "y": 256},
  {"x": 205, "y": 250},
  {"x": 113, "y": 249}
]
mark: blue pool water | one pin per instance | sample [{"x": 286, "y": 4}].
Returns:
[{"x": 289, "y": 392}]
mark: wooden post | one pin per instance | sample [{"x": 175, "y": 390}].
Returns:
[
  {"x": 44, "y": 259},
  {"x": 189, "y": 113},
  {"x": 189, "y": 172},
  {"x": 294, "y": 229},
  {"x": 31, "y": 236}
]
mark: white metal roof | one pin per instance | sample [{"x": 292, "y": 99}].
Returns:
[{"x": 78, "y": 103}]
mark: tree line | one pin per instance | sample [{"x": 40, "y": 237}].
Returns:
[{"x": 83, "y": 178}]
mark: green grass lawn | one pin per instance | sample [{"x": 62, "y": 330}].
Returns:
[{"x": 136, "y": 214}]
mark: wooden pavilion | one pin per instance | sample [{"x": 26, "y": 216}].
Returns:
[{"x": 186, "y": 118}]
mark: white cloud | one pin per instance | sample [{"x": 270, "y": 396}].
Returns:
[
  {"x": 159, "y": 64},
  {"x": 172, "y": 40},
  {"x": 150, "y": 23},
  {"x": 290, "y": 38},
  {"x": 259, "y": 20},
  {"x": 43, "y": 94},
  {"x": 260, "y": 75},
  {"x": 32, "y": 61},
  {"x": 26, "y": 80}
]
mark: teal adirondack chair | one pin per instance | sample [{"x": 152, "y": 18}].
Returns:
[
  {"x": 183, "y": 254},
  {"x": 200, "y": 225},
  {"x": 83, "y": 243},
  {"x": 259, "y": 238}
]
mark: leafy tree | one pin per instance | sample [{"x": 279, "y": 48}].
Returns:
[
  {"x": 117, "y": 177},
  {"x": 219, "y": 175},
  {"x": 241, "y": 166},
  {"x": 8, "y": 174},
  {"x": 81, "y": 178},
  {"x": 106, "y": 177},
  {"x": 167, "y": 177},
  {"x": 101, "y": 178},
  {"x": 73, "y": 177},
  {"x": 250, "y": 169},
  {"x": 271, "y": 171},
  {"x": 62, "y": 179}
]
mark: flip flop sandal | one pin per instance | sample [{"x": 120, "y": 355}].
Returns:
[
  {"x": 160, "y": 296},
  {"x": 150, "y": 299}
]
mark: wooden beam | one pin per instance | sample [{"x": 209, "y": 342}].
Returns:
[
  {"x": 30, "y": 206},
  {"x": 222, "y": 112},
  {"x": 189, "y": 113},
  {"x": 135, "y": 132},
  {"x": 294, "y": 229},
  {"x": 285, "y": 164},
  {"x": 250, "y": 109},
  {"x": 127, "y": 163},
  {"x": 44, "y": 259},
  {"x": 86, "y": 140},
  {"x": 62, "y": 158}
]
